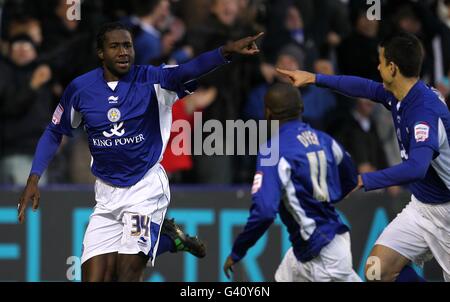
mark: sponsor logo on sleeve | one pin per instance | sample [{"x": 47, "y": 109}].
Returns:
[
  {"x": 421, "y": 132},
  {"x": 257, "y": 182},
  {"x": 56, "y": 119}
]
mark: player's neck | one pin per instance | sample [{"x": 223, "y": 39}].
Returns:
[
  {"x": 401, "y": 88},
  {"x": 109, "y": 76}
]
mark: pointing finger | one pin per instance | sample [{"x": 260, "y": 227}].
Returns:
[
  {"x": 256, "y": 37},
  {"x": 285, "y": 72}
]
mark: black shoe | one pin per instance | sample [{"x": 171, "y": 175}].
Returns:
[{"x": 183, "y": 242}]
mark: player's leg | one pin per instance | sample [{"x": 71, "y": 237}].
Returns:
[
  {"x": 101, "y": 268},
  {"x": 389, "y": 263},
  {"x": 334, "y": 263},
  {"x": 100, "y": 246},
  {"x": 436, "y": 226},
  {"x": 130, "y": 268},
  {"x": 401, "y": 243},
  {"x": 287, "y": 270},
  {"x": 173, "y": 239}
]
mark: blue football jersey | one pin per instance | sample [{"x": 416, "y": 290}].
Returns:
[
  {"x": 422, "y": 124},
  {"x": 422, "y": 120},
  {"x": 313, "y": 172},
  {"x": 128, "y": 127}
]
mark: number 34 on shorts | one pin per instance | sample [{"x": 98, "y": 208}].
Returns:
[{"x": 140, "y": 225}]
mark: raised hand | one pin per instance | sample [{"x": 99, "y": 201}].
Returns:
[
  {"x": 245, "y": 46},
  {"x": 298, "y": 78}
]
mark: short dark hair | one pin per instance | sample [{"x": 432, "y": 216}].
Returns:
[
  {"x": 284, "y": 101},
  {"x": 406, "y": 51},
  {"x": 108, "y": 27}
]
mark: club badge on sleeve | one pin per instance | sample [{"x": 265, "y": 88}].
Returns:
[
  {"x": 257, "y": 182},
  {"x": 421, "y": 132},
  {"x": 56, "y": 119}
]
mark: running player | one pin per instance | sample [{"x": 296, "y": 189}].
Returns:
[
  {"x": 312, "y": 174},
  {"x": 126, "y": 111},
  {"x": 422, "y": 122}
]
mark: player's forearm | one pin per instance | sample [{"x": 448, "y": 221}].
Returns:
[
  {"x": 414, "y": 169},
  {"x": 348, "y": 175},
  {"x": 352, "y": 86},
  {"x": 201, "y": 65},
  {"x": 253, "y": 230},
  {"x": 45, "y": 151}
]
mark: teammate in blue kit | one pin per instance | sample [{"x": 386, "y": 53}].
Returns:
[
  {"x": 422, "y": 122},
  {"x": 126, "y": 111},
  {"x": 312, "y": 174}
]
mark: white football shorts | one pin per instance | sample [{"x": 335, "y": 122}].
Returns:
[
  {"x": 333, "y": 264},
  {"x": 128, "y": 220},
  {"x": 420, "y": 232}
]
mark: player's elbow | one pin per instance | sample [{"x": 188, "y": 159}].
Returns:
[
  {"x": 418, "y": 170},
  {"x": 266, "y": 216}
]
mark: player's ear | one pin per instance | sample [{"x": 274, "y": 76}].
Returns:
[
  {"x": 393, "y": 69},
  {"x": 100, "y": 54},
  {"x": 267, "y": 114}
]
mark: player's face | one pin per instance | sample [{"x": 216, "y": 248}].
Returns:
[
  {"x": 387, "y": 70},
  {"x": 118, "y": 52}
]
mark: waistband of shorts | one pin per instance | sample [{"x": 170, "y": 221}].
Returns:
[
  {"x": 153, "y": 168},
  {"x": 421, "y": 204}
]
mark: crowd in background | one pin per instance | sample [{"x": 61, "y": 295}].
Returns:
[{"x": 42, "y": 51}]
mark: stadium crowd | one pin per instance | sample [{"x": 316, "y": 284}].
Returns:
[{"x": 42, "y": 51}]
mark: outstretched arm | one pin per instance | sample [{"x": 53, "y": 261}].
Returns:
[
  {"x": 173, "y": 76},
  {"x": 348, "y": 85}
]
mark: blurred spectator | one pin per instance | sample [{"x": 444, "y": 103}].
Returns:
[
  {"x": 58, "y": 29},
  {"x": 358, "y": 53},
  {"x": 25, "y": 109},
  {"x": 386, "y": 132},
  {"x": 334, "y": 25},
  {"x": 68, "y": 45},
  {"x": 360, "y": 137},
  {"x": 290, "y": 31},
  {"x": 148, "y": 19},
  {"x": 28, "y": 26},
  {"x": 177, "y": 160},
  {"x": 76, "y": 151},
  {"x": 318, "y": 102},
  {"x": 418, "y": 19},
  {"x": 441, "y": 48},
  {"x": 232, "y": 83}
]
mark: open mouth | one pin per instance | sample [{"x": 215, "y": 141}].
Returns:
[{"x": 123, "y": 64}]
